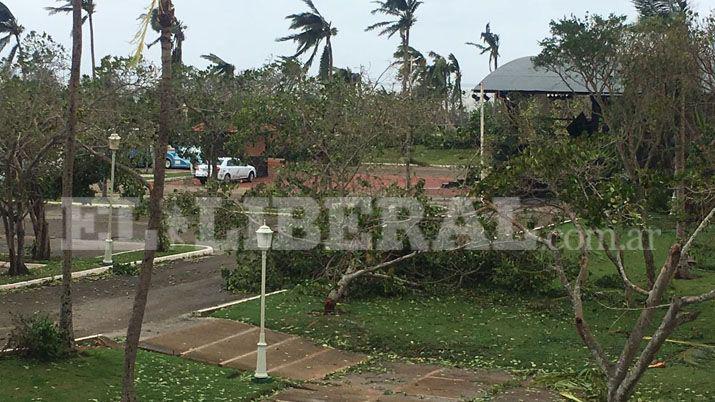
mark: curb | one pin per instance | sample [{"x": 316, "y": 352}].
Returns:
[
  {"x": 96, "y": 338},
  {"x": 206, "y": 251},
  {"x": 205, "y": 311},
  {"x": 404, "y": 165},
  {"x": 103, "y": 205}
]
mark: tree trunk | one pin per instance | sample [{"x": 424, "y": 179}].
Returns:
[
  {"x": 341, "y": 288},
  {"x": 41, "y": 248},
  {"x": 330, "y": 58},
  {"x": 91, "y": 45},
  {"x": 166, "y": 19},
  {"x": 67, "y": 174},
  {"x": 406, "y": 90},
  {"x": 680, "y": 195},
  {"x": 15, "y": 234}
]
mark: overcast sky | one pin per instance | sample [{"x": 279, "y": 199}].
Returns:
[{"x": 244, "y": 31}]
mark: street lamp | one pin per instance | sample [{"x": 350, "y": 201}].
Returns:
[
  {"x": 264, "y": 234},
  {"x": 114, "y": 141}
]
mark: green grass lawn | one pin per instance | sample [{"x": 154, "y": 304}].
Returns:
[
  {"x": 424, "y": 156},
  {"x": 96, "y": 375},
  {"x": 484, "y": 328},
  {"x": 54, "y": 266}
]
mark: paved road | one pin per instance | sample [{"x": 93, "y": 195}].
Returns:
[{"x": 103, "y": 305}]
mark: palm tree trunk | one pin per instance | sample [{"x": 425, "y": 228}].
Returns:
[
  {"x": 406, "y": 65},
  {"x": 67, "y": 174},
  {"x": 166, "y": 18},
  {"x": 406, "y": 90},
  {"x": 330, "y": 58},
  {"x": 91, "y": 44}
]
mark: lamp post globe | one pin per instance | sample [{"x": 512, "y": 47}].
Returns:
[
  {"x": 114, "y": 141},
  {"x": 264, "y": 236}
]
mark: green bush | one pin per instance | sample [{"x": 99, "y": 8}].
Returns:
[
  {"x": 38, "y": 337},
  {"x": 450, "y": 138},
  {"x": 518, "y": 271},
  {"x": 124, "y": 269}
]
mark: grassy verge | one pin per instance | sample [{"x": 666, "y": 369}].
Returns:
[
  {"x": 484, "y": 328},
  {"x": 54, "y": 266},
  {"x": 423, "y": 155},
  {"x": 96, "y": 375}
]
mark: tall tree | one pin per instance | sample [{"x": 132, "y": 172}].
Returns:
[
  {"x": 89, "y": 8},
  {"x": 491, "y": 46},
  {"x": 10, "y": 28},
  {"x": 314, "y": 29},
  {"x": 67, "y": 173},
  {"x": 167, "y": 22},
  {"x": 405, "y": 17},
  {"x": 404, "y": 13}
]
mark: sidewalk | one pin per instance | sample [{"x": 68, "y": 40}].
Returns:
[{"x": 233, "y": 344}]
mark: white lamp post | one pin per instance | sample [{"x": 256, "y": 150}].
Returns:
[
  {"x": 114, "y": 141},
  {"x": 264, "y": 235}
]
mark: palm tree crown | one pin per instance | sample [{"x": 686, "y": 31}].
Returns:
[
  {"x": 492, "y": 46},
  {"x": 404, "y": 13},
  {"x": 10, "y": 28},
  {"x": 314, "y": 28},
  {"x": 89, "y": 7},
  {"x": 662, "y": 8},
  {"x": 220, "y": 66}
]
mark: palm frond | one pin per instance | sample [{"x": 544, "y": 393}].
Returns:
[
  {"x": 59, "y": 10},
  {"x": 4, "y": 41},
  {"x": 5, "y": 14},
  {"x": 324, "y": 70},
  {"x": 311, "y": 6},
  {"x": 221, "y": 66},
  {"x": 140, "y": 36},
  {"x": 663, "y": 8}
]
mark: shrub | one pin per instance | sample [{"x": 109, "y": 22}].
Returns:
[
  {"x": 38, "y": 337},
  {"x": 124, "y": 269},
  {"x": 519, "y": 271}
]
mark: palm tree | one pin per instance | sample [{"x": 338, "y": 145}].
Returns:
[
  {"x": 220, "y": 66},
  {"x": 167, "y": 23},
  {"x": 492, "y": 46},
  {"x": 454, "y": 68},
  {"x": 89, "y": 8},
  {"x": 9, "y": 27},
  {"x": 405, "y": 17},
  {"x": 314, "y": 29},
  {"x": 417, "y": 61},
  {"x": 73, "y": 100},
  {"x": 662, "y": 8}
]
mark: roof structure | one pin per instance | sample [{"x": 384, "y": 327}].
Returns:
[{"x": 521, "y": 75}]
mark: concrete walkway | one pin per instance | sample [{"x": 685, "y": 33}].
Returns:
[
  {"x": 418, "y": 382},
  {"x": 233, "y": 344}
]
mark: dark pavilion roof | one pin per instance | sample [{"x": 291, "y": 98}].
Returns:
[{"x": 521, "y": 75}]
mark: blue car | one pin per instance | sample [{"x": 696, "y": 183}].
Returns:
[{"x": 174, "y": 161}]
